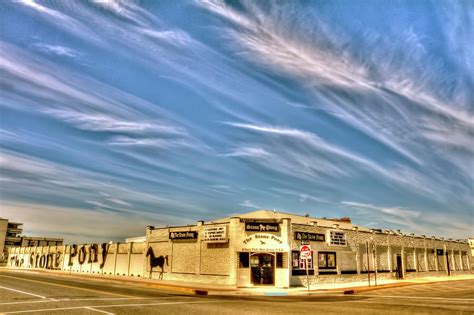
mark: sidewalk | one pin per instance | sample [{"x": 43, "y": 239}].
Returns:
[{"x": 218, "y": 289}]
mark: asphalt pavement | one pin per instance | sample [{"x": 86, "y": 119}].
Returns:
[{"x": 35, "y": 293}]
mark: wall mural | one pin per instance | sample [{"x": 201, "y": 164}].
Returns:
[
  {"x": 53, "y": 260},
  {"x": 156, "y": 262}
]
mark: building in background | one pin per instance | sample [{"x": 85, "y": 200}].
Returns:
[
  {"x": 471, "y": 244},
  {"x": 10, "y": 236}
]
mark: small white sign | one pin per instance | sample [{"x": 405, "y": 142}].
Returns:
[
  {"x": 305, "y": 251},
  {"x": 215, "y": 234}
]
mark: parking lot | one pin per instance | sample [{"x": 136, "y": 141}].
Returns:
[{"x": 33, "y": 293}]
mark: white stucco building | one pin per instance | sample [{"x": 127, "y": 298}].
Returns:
[{"x": 260, "y": 248}]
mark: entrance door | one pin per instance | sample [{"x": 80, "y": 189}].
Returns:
[
  {"x": 262, "y": 269},
  {"x": 399, "y": 267}
]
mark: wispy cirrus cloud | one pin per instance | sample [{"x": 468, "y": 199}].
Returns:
[
  {"x": 315, "y": 112},
  {"x": 58, "y": 50}
]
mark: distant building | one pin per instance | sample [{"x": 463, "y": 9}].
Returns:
[
  {"x": 138, "y": 239},
  {"x": 471, "y": 244},
  {"x": 10, "y": 236}
]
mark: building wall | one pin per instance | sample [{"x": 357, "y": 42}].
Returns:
[
  {"x": 3, "y": 233},
  {"x": 418, "y": 254},
  {"x": 188, "y": 259},
  {"x": 198, "y": 260}
]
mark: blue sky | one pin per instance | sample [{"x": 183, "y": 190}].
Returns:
[{"x": 116, "y": 115}]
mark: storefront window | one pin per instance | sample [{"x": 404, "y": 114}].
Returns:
[
  {"x": 300, "y": 263},
  {"x": 327, "y": 260},
  {"x": 280, "y": 260},
  {"x": 243, "y": 260},
  {"x": 295, "y": 260}
]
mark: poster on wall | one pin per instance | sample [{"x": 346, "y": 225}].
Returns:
[{"x": 215, "y": 234}]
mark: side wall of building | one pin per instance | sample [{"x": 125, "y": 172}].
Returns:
[
  {"x": 389, "y": 255},
  {"x": 124, "y": 259}
]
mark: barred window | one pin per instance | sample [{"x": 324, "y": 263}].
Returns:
[{"x": 337, "y": 238}]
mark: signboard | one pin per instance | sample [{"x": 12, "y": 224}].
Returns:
[
  {"x": 189, "y": 235},
  {"x": 262, "y": 242},
  {"x": 305, "y": 251},
  {"x": 262, "y": 227},
  {"x": 215, "y": 234},
  {"x": 303, "y": 236}
]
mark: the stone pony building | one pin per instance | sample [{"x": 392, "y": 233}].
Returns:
[{"x": 259, "y": 248}]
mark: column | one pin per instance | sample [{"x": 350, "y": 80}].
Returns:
[
  {"x": 452, "y": 260},
  {"x": 115, "y": 257},
  {"x": 389, "y": 254},
  {"x": 415, "y": 260},
  {"x": 426, "y": 258},
  {"x": 403, "y": 261},
  {"x": 129, "y": 258}
]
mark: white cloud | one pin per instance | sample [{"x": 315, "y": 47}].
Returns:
[
  {"x": 56, "y": 50},
  {"x": 250, "y": 204}
]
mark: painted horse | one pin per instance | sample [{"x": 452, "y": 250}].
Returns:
[{"x": 156, "y": 262}]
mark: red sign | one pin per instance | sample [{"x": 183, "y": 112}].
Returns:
[{"x": 305, "y": 251}]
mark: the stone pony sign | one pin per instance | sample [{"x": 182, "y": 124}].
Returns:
[{"x": 54, "y": 260}]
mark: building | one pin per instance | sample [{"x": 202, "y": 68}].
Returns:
[
  {"x": 260, "y": 248},
  {"x": 10, "y": 236},
  {"x": 471, "y": 245}
]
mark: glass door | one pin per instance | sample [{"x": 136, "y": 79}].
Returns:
[{"x": 262, "y": 269}]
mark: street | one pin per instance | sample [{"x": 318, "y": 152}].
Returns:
[{"x": 31, "y": 293}]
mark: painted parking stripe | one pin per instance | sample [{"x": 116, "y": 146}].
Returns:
[
  {"x": 416, "y": 297},
  {"x": 113, "y": 305},
  {"x": 23, "y": 292},
  {"x": 66, "y": 286},
  {"x": 93, "y": 309},
  {"x": 78, "y": 300}
]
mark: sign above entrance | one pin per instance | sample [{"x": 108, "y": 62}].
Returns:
[
  {"x": 262, "y": 227},
  {"x": 186, "y": 235},
  {"x": 303, "y": 236},
  {"x": 305, "y": 251},
  {"x": 215, "y": 234},
  {"x": 264, "y": 243}
]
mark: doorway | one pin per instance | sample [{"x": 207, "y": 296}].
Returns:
[
  {"x": 262, "y": 269},
  {"x": 399, "y": 267}
]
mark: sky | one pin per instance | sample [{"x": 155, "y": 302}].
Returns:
[{"x": 115, "y": 115}]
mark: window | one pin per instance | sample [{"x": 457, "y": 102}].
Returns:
[
  {"x": 337, "y": 238},
  {"x": 300, "y": 263},
  {"x": 244, "y": 260},
  {"x": 327, "y": 260},
  {"x": 281, "y": 259}
]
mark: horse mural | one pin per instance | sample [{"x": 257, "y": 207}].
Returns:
[{"x": 156, "y": 261}]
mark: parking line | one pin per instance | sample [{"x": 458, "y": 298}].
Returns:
[
  {"x": 417, "y": 297},
  {"x": 23, "y": 292},
  {"x": 67, "y": 286},
  {"x": 76, "y": 300},
  {"x": 114, "y": 305},
  {"x": 93, "y": 309}
]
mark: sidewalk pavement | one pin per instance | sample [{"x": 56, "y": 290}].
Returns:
[{"x": 218, "y": 289}]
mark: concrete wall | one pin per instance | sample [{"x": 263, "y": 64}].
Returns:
[{"x": 111, "y": 259}]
